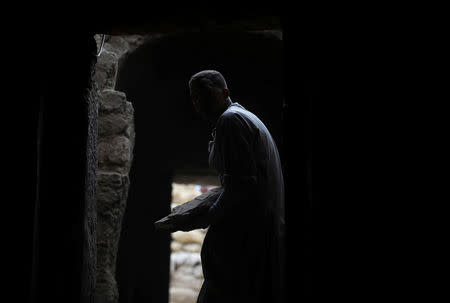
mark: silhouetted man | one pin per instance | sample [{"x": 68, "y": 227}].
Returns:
[{"x": 243, "y": 250}]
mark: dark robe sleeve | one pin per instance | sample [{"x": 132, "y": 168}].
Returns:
[
  {"x": 233, "y": 157},
  {"x": 190, "y": 215}
]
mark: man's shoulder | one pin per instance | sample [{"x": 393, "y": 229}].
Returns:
[
  {"x": 236, "y": 119},
  {"x": 238, "y": 116},
  {"x": 233, "y": 115},
  {"x": 234, "y": 111},
  {"x": 227, "y": 119}
]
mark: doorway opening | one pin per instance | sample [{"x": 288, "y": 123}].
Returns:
[
  {"x": 186, "y": 275},
  {"x": 170, "y": 152}
]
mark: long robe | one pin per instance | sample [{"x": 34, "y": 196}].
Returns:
[{"x": 242, "y": 256}]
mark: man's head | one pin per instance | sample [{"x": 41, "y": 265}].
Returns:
[{"x": 209, "y": 94}]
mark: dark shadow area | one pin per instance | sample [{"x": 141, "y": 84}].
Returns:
[
  {"x": 50, "y": 212},
  {"x": 171, "y": 138},
  {"x": 340, "y": 86}
]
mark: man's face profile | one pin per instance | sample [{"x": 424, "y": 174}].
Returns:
[{"x": 202, "y": 100}]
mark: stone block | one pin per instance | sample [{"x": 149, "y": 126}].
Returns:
[
  {"x": 198, "y": 272},
  {"x": 116, "y": 44},
  {"x": 182, "y": 295},
  {"x": 113, "y": 124},
  {"x": 194, "y": 236},
  {"x": 120, "y": 151},
  {"x": 115, "y": 154},
  {"x": 179, "y": 279},
  {"x": 106, "y": 288},
  {"x": 175, "y": 246},
  {"x": 192, "y": 247},
  {"x": 106, "y": 70},
  {"x": 184, "y": 192},
  {"x": 185, "y": 258},
  {"x": 109, "y": 179},
  {"x": 110, "y": 188},
  {"x": 111, "y": 100}
]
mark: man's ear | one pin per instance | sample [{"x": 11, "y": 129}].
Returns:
[{"x": 226, "y": 92}]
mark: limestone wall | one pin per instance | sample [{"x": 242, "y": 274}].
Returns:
[{"x": 116, "y": 137}]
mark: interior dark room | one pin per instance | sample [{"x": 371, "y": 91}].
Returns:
[{"x": 284, "y": 79}]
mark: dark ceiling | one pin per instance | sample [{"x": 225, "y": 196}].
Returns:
[{"x": 186, "y": 22}]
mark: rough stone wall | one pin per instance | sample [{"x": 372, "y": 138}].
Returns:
[
  {"x": 90, "y": 222},
  {"x": 116, "y": 137}
]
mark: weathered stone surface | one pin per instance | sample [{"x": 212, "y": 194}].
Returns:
[
  {"x": 120, "y": 153},
  {"x": 181, "y": 279},
  {"x": 184, "y": 192},
  {"x": 198, "y": 272},
  {"x": 106, "y": 70},
  {"x": 117, "y": 45},
  {"x": 175, "y": 246},
  {"x": 106, "y": 261},
  {"x": 112, "y": 189},
  {"x": 194, "y": 236},
  {"x": 108, "y": 198},
  {"x": 192, "y": 247},
  {"x": 111, "y": 199},
  {"x": 185, "y": 258},
  {"x": 111, "y": 101},
  {"x": 89, "y": 265},
  {"x": 182, "y": 295},
  {"x": 109, "y": 179},
  {"x": 115, "y": 154},
  {"x": 107, "y": 289},
  {"x": 113, "y": 124},
  {"x": 114, "y": 158}
]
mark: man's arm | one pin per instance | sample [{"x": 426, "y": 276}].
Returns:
[
  {"x": 190, "y": 215},
  {"x": 234, "y": 152},
  {"x": 237, "y": 191}
]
